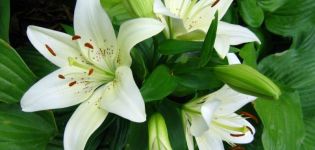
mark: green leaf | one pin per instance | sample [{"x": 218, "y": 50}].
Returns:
[
  {"x": 295, "y": 69},
  {"x": 137, "y": 137},
  {"x": 249, "y": 55},
  {"x": 271, "y": 5},
  {"x": 171, "y": 47},
  {"x": 172, "y": 115},
  {"x": 138, "y": 64},
  {"x": 27, "y": 131},
  {"x": 207, "y": 47},
  {"x": 68, "y": 29},
  {"x": 282, "y": 120},
  {"x": 292, "y": 17},
  {"x": 198, "y": 79},
  {"x": 4, "y": 19},
  {"x": 36, "y": 62},
  {"x": 15, "y": 77},
  {"x": 252, "y": 14},
  {"x": 159, "y": 84}
]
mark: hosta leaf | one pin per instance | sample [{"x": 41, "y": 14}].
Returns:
[
  {"x": 292, "y": 17},
  {"x": 27, "y": 131},
  {"x": 252, "y": 14},
  {"x": 36, "y": 62},
  {"x": 271, "y": 5},
  {"x": 15, "y": 77},
  {"x": 282, "y": 120},
  {"x": 295, "y": 69}
]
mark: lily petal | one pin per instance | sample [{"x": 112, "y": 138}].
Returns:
[
  {"x": 209, "y": 141},
  {"x": 176, "y": 6},
  {"x": 222, "y": 7},
  {"x": 84, "y": 121},
  {"x": 236, "y": 34},
  {"x": 198, "y": 125},
  {"x": 56, "y": 90},
  {"x": 232, "y": 59},
  {"x": 98, "y": 39},
  {"x": 231, "y": 100},
  {"x": 188, "y": 135},
  {"x": 159, "y": 8},
  {"x": 222, "y": 45},
  {"x": 56, "y": 46},
  {"x": 235, "y": 120},
  {"x": 208, "y": 109},
  {"x": 122, "y": 96},
  {"x": 134, "y": 31}
]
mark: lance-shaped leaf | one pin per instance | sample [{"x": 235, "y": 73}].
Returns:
[
  {"x": 158, "y": 85},
  {"x": 207, "y": 47},
  {"x": 171, "y": 47},
  {"x": 247, "y": 80}
]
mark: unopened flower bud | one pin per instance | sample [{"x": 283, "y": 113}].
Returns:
[
  {"x": 247, "y": 80},
  {"x": 158, "y": 135}
]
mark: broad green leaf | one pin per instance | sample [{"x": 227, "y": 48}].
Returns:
[
  {"x": 295, "y": 69},
  {"x": 207, "y": 47},
  {"x": 158, "y": 85},
  {"x": 291, "y": 17},
  {"x": 4, "y": 19},
  {"x": 15, "y": 77},
  {"x": 170, "y": 47},
  {"x": 36, "y": 62},
  {"x": 27, "y": 131},
  {"x": 271, "y": 5},
  {"x": 172, "y": 115},
  {"x": 283, "y": 122},
  {"x": 252, "y": 14}
]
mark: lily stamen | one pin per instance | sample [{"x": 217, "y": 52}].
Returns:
[
  {"x": 72, "y": 83},
  {"x": 237, "y": 135},
  {"x": 88, "y": 45},
  {"x": 249, "y": 115},
  {"x": 51, "y": 51},
  {"x": 76, "y": 37},
  {"x": 61, "y": 76}
]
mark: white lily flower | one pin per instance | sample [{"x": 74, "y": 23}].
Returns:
[
  {"x": 212, "y": 119},
  {"x": 94, "y": 71},
  {"x": 190, "y": 20}
]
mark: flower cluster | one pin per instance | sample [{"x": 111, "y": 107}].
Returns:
[{"x": 95, "y": 72}]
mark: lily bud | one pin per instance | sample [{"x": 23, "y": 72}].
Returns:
[
  {"x": 140, "y": 8},
  {"x": 158, "y": 136},
  {"x": 247, "y": 80}
]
